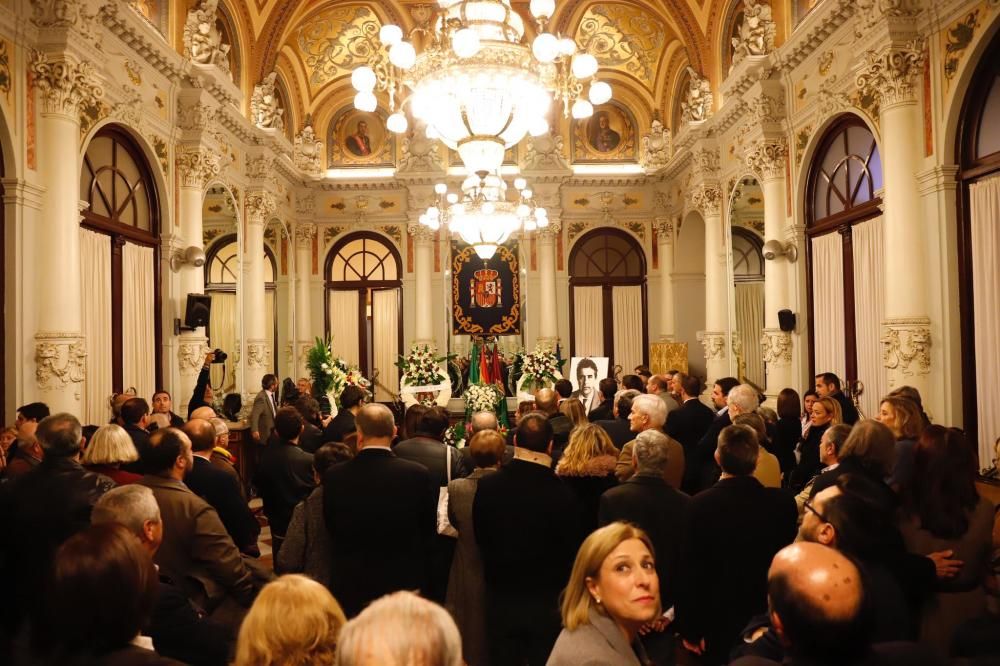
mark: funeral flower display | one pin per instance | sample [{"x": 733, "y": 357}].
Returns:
[
  {"x": 422, "y": 366},
  {"x": 539, "y": 368},
  {"x": 482, "y": 398},
  {"x": 331, "y": 375}
]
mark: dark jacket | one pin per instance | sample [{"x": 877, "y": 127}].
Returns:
[
  {"x": 734, "y": 530},
  {"x": 689, "y": 423},
  {"x": 380, "y": 511},
  {"x": 307, "y": 544},
  {"x": 339, "y": 427},
  {"x": 39, "y": 511},
  {"x": 809, "y": 462},
  {"x": 180, "y": 632},
  {"x": 883, "y": 654},
  {"x": 528, "y": 530},
  {"x": 140, "y": 438},
  {"x": 787, "y": 433},
  {"x": 603, "y": 412},
  {"x": 700, "y": 471},
  {"x": 198, "y": 395},
  {"x": 588, "y": 485},
  {"x": 561, "y": 426},
  {"x": 618, "y": 430},
  {"x": 848, "y": 412},
  {"x": 661, "y": 511},
  {"x": 432, "y": 454},
  {"x": 223, "y": 492},
  {"x": 311, "y": 438},
  {"x": 284, "y": 478}
]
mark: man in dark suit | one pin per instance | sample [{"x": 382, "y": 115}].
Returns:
[
  {"x": 691, "y": 421},
  {"x": 135, "y": 417},
  {"x": 734, "y": 529},
  {"x": 380, "y": 511},
  {"x": 264, "y": 409},
  {"x": 650, "y": 502},
  {"x": 202, "y": 396},
  {"x": 701, "y": 471},
  {"x": 427, "y": 449},
  {"x": 618, "y": 428},
  {"x": 220, "y": 489},
  {"x": 547, "y": 402},
  {"x": 528, "y": 527},
  {"x": 178, "y": 630},
  {"x": 828, "y": 386},
  {"x": 605, "y": 411},
  {"x": 285, "y": 475},
  {"x": 352, "y": 399}
]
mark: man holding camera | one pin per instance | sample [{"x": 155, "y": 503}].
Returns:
[{"x": 203, "y": 395}]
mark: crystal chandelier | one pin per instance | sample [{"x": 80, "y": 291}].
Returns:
[
  {"x": 482, "y": 216},
  {"x": 478, "y": 85}
]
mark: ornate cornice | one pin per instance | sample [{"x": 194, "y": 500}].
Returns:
[
  {"x": 65, "y": 86},
  {"x": 890, "y": 74},
  {"x": 197, "y": 166},
  {"x": 705, "y": 163},
  {"x": 767, "y": 158}
]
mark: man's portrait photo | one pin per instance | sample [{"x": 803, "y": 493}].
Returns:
[
  {"x": 359, "y": 143},
  {"x": 584, "y": 374},
  {"x": 606, "y": 136},
  {"x": 602, "y": 137},
  {"x": 358, "y": 137}
]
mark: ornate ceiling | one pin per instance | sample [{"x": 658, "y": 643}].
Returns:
[{"x": 642, "y": 46}]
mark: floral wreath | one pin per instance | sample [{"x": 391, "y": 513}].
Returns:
[
  {"x": 539, "y": 369},
  {"x": 423, "y": 374}
]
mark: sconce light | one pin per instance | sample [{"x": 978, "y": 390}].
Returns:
[
  {"x": 774, "y": 249},
  {"x": 192, "y": 256}
]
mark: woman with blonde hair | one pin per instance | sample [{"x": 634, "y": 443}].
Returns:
[
  {"x": 573, "y": 410},
  {"x": 400, "y": 629},
  {"x": 903, "y": 417},
  {"x": 613, "y": 592},
  {"x": 294, "y": 621},
  {"x": 587, "y": 467},
  {"x": 109, "y": 449},
  {"x": 825, "y": 413}
]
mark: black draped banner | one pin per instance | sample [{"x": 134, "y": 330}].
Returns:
[{"x": 485, "y": 295}]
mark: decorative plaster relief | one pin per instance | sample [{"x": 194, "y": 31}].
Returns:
[
  {"x": 889, "y": 75},
  {"x": 60, "y": 359},
  {"x": 305, "y": 232},
  {"x": 197, "y": 166},
  {"x": 776, "y": 347},
  {"x": 767, "y": 159},
  {"x": 714, "y": 344},
  {"x": 66, "y": 87},
  {"x": 656, "y": 147},
  {"x": 191, "y": 357},
  {"x": 335, "y": 41},
  {"x": 906, "y": 345},
  {"x": 258, "y": 354},
  {"x": 623, "y": 37}
]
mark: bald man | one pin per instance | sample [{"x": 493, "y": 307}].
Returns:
[
  {"x": 547, "y": 402},
  {"x": 819, "y": 610}
]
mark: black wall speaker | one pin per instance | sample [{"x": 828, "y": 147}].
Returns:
[
  {"x": 199, "y": 307},
  {"x": 786, "y": 320}
]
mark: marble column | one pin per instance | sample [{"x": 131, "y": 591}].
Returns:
[
  {"x": 423, "y": 271},
  {"x": 196, "y": 167},
  {"x": 707, "y": 199},
  {"x": 305, "y": 234},
  {"x": 260, "y": 208},
  {"x": 891, "y": 74},
  {"x": 665, "y": 241},
  {"x": 548, "y": 313},
  {"x": 65, "y": 86},
  {"x": 767, "y": 159}
]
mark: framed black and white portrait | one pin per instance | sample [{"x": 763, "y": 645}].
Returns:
[{"x": 584, "y": 373}]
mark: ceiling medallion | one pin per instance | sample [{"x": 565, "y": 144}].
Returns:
[{"x": 476, "y": 82}]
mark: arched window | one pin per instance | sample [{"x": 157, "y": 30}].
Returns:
[
  {"x": 846, "y": 283},
  {"x": 978, "y": 149},
  {"x": 748, "y": 276},
  {"x": 607, "y": 271},
  {"x": 364, "y": 307},
  {"x": 748, "y": 256},
  {"x": 119, "y": 240},
  {"x": 222, "y": 268}
]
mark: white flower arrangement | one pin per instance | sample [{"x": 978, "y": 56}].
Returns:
[
  {"x": 539, "y": 368},
  {"x": 482, "y": 398},
  {"x": 422, "y": 366}
]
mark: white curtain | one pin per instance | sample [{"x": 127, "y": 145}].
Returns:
[
  {"x": 869, "y": 310},
  {"x": 224, "y": 329},
  {"x": 269, "y": 317},
  {"x": 749, "y": 325},
  {"x": 588, "y": 321},
  {"x": 828, "y": 304},
  {"x": 138, "y": 319},
  {"x": 344, "y": 325},
  {"x": 95, "y": 269},
  {"x": 385, "y": 330},
  {"x": 984, "y": 217},
  {"x": 627, "y": 308}
]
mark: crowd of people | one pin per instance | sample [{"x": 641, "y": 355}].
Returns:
[{"x": 651, "y": 529}]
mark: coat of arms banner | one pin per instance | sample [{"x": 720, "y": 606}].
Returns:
[{"x": 485, "y": 295}]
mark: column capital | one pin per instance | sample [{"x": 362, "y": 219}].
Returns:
[
  {"x": 60, "y": 359},
  {"x": 66, "y": 86},
  {"x": 197, "y": 165},
  {"x": 890, "y": 74},
  {"x": 714, "y": 344},
  {"x": 664, "y": 228},
  {"x": 305, "y": 232},
  {"x": 421, "y": 233},
  {"x": 906, "y": 345},
  {"x": 191, "y": 354},
  {"x": 550, "y": 232},
  {"x": 766, "y": 158},
  {"x": 260, "y": 206},
  {"x": 776, "y": 347},
  {"x": 706, "y": 198}
]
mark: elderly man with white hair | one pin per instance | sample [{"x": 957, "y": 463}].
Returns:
[{"x": 650, "y": 413}]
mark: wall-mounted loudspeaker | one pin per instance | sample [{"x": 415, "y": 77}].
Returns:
[
  {"x": 196, "y": 313},
  {"x": 786, "y": 320}
]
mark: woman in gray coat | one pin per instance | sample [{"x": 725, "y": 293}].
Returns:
[
  {"x": 466, "y": 588},
  {"x": 612, "y": 593}
]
